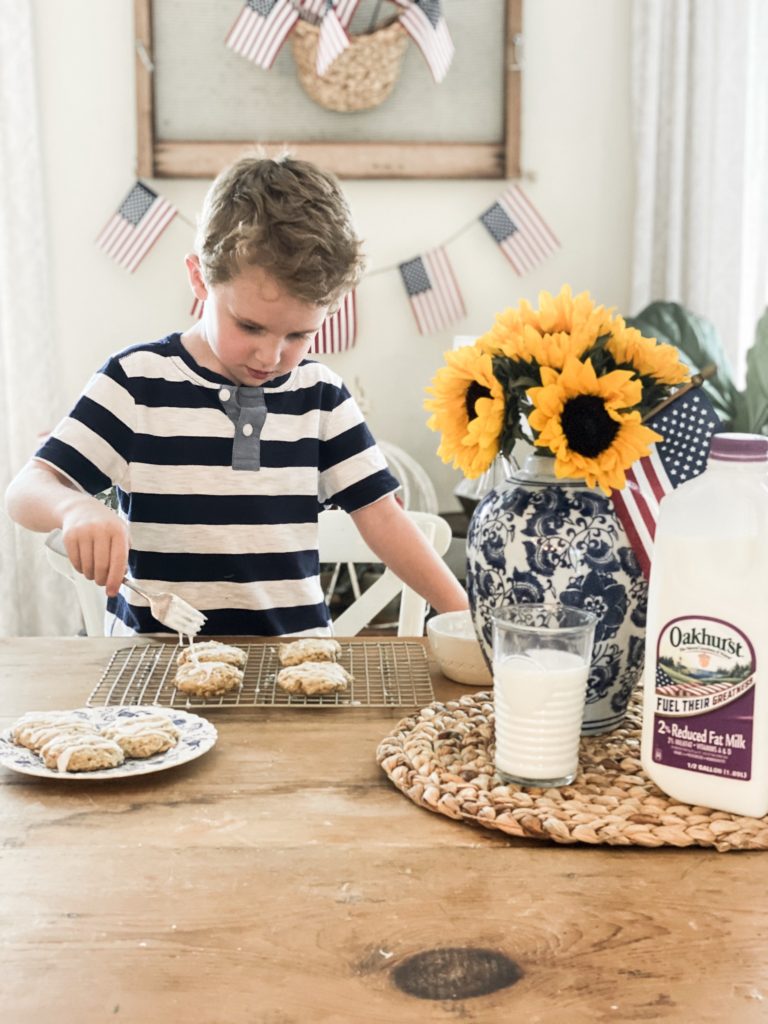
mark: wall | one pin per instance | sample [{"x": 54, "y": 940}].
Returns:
[{"x": 576, "y": 156}]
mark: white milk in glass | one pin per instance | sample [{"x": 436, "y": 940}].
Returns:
[
  {"x": 705, "y": 713},
  {"x": 539, "y": 706}
]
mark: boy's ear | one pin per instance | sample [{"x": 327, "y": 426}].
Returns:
[{"x": 195, "y": 275}]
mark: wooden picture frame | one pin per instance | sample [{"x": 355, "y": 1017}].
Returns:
[{"x": 159, "y": 157}]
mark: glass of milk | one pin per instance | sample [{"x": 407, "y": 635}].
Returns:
[{"x": 541, "y": 657}]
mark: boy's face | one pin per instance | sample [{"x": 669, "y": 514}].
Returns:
[{"x": 254, "y": 329}]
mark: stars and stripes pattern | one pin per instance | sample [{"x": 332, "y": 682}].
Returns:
[
  {"x": 423, "y": 20},
  {"x": 687, "y": 426},
  {"x": 432, "y": 290},
  {"x": 332, "y": 40},
  {"x": 260, "y": 29},
  {"x": 315, "y": 10},
  {"x": 134, "y": 228},
  {"x": 339, "y": 330},
  {"x": 519, "y": 230},
  {"x": 333, "y": 17}
]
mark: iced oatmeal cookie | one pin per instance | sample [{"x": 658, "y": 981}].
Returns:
[
  {"x": 36, "y": 728},
  {"x": 309, "y": 648},
  {"x": 313, "y": 678},
  {"x": 81, "y": 752},
  {"x": 212, "y": 650},
  {"x": 143, "y": 735},
  {"x": 208, "y": 679}
]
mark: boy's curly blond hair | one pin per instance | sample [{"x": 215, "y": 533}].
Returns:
[{"x": 287, "y": 217}]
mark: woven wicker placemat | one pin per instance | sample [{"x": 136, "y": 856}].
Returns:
[{"x": 442, "y": 758}]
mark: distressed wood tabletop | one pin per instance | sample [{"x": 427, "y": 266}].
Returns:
[{"x": 282, "y": 879}]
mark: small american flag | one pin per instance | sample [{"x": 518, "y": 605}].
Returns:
[
  {"x": 687, "y": 425},
  {"x": 424, "y": 22},
  {"x": 196, "y": 309},
  {"x": 314, "y": 10},
  {"x": 433, "y": 291},
  {"x": 517, "y": 227},
  {"x": 332, "y": 40},
  {"x": 261, "y": 28},
  {"x": 339, "y": 330},
  {"x": 131, "y": 232}
]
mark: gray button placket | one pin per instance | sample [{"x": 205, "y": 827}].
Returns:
[{"x": 247, "y": 409}]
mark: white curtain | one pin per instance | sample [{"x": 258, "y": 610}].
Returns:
[
  {"x": 700, "y": 104},
  {"x": 33, "y": 599}
]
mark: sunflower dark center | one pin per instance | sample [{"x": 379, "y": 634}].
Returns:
[
  {"x": 587, "y": 426},
  {"x": 474, "y": 391}
]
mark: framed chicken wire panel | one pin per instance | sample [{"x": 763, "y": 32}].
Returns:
[{"x": 201, "y": 104}]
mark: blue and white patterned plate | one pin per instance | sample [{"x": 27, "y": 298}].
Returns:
[{"x": 198, "y": 735}]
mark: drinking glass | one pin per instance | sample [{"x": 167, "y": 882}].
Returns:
[{"x": 541, "y": 657}]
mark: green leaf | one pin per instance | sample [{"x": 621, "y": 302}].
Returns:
[
  {"x": 754, "y": 408},
  {"x": 698, "y": 343}
]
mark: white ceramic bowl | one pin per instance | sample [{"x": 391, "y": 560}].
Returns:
[{"x": 456, "y": 648}]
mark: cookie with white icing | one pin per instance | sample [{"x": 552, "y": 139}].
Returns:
[
  {"x": 81, "y": 752},
  {"x": 207, "y": 679},
  {"x": 314, "y": 678},
  {"x": 36, "y": 728},
  {"x": 212, "y": 650},
  {"x": 143, "y": 735},
  {"x": 309, "y": 648}
]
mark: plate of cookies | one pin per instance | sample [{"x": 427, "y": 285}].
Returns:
[{"x": 104, "y": 743}]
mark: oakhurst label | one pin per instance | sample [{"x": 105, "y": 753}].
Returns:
[{"x": 704, "y": 697}]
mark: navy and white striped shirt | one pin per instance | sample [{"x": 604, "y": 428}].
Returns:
[{"x": 221, "y": 484}]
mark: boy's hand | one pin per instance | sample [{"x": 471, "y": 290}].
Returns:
[{"x": 96, "y": 539}]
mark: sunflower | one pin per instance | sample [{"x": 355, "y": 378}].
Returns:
[
  {"x": 561, "y": 327},
  {"x": 582, "y": 419},
  {"x": 649, "y": 357},
  {"x": 468, "y": 409}
]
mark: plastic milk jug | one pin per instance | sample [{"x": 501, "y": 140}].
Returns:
[{"x": 705, "y": 713}]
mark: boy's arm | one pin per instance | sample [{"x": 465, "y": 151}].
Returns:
[
  {"x": 401, "y": 545},
  {"x": 95, "y": 537}
]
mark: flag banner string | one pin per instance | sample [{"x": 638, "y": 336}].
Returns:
[{"x": 431, "y": 285}]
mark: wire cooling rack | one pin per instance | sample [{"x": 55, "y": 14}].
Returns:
[{"x": 391, "y": 673}]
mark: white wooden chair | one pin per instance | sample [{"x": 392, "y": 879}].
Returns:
[{"x": 340, "y": 543}]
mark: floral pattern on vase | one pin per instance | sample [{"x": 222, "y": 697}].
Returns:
[{"x": 536, "y": 538}]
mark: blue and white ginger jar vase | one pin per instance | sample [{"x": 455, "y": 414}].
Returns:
[{"x": 535, "y": 538}]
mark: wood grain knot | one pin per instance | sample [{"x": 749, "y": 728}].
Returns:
[{"x": 455, "y": 973}]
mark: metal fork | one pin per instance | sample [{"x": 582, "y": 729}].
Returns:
[{"x": 170, "y": 609}]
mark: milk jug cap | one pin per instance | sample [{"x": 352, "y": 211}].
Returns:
[{"x": 739, "y": 448}]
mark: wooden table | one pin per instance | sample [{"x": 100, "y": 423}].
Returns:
[{"x": 281, "y": 879}]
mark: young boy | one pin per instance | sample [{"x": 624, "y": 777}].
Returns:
[{"x": 224, "y": 442}]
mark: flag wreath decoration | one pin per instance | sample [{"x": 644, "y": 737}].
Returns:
[{"x": 262, "y": 26}]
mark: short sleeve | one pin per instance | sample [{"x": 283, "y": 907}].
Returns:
[
  {"x": 92, "y": 444},
  {"x": 353, "y": 470}
]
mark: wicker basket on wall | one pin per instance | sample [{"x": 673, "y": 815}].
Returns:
[{"x": 361, "y": 77}]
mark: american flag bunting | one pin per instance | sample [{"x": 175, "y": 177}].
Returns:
[
  {"x": 687, "y": 425},
  {"x": 519, "y": 230},
  {"x": 261, "y": 28},
  {"x": 432, "y": 290},
  {"x": 135, "y": 227},
  {"x": 339, "y": 330},
  {"x": 423, "y": 20}
]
